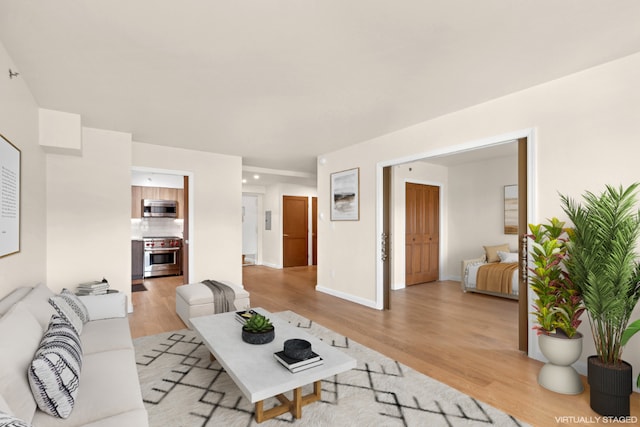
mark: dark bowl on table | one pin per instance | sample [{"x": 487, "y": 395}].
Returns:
[{"x": 297, "y": 349}]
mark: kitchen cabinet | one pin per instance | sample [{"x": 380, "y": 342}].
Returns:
[
  {"x": 138, "y": 193},
  {"x": 137, "y": 260}
]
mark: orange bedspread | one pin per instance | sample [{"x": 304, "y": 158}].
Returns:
[{"x": 496, "y": 277}]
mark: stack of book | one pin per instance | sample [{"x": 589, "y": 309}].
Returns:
[
  {"x": 93, "y": 288},
  {"x": 297, "y": 365},
  {"x": 244, "y": 315}
]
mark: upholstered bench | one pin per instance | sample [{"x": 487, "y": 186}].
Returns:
[{"x": 196, "y": 299}]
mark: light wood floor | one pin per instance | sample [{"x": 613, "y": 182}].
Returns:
[{"x": 467, "y": 341}]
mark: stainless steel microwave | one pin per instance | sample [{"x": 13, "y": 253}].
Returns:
[{"x": 159, "y": 208}]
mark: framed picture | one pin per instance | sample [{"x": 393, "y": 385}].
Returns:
[
  {"x": 345, "y": 195},
  {"x": 9, "y": 198},
  {"x": 510, "y": 209}
]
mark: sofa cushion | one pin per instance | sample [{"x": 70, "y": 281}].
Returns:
[
  {"x": 108, "y": 386},
  {"x": 7, "y": 420},
  {"x": 107, "y": 334},
  {"x": 21, "y": 333},
  {"x": 70, "y": 308},
  {"x": 55, "y": 370},
  {"x": 37, "y": 301}
]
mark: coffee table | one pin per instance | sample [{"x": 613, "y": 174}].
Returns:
[{"x": 257, "y": 373}]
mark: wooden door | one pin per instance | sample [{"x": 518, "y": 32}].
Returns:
[
  {"x": 314, "y": 231},
  {"x": 422, "y": 234},
  {"x": 295, "y": 229}
]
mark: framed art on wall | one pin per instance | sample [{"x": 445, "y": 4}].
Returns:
[
  {"x": 345, "y": 195},
  {"x": 9, "y": 197}
]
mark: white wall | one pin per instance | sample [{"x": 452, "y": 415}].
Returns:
[
  {"x": 586, "y": 134},
  {"x": 19, "y": 124},
  {"x": 250, "y": 226},
  {"x": 476, "y": 209},
  {"x": 89, "y": 212},
  {"x": 215, "y": 207}
]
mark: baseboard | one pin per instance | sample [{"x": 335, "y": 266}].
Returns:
[{"x": 348, "y": 297}]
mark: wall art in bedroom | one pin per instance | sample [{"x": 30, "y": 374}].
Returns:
[
  {"x": 345, "y": 195},
  {"x": 510, "y": 209},
  {"x": 9, "y": 198}
]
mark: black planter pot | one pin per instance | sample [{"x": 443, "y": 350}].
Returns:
[
  {"x": 258, "y": 337},
  {"x": 610, "y": 387}
]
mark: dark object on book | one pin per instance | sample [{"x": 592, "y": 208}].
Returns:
[
  {"x": 297, "y": 349},
  {"x": 294, "y": 363}
]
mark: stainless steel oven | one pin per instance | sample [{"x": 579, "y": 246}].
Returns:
[{"x": 162, "y": 256}]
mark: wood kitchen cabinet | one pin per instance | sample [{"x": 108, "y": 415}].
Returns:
[
  {"x": 139, "y": 193},
  {"x": 137, "y": 260}
]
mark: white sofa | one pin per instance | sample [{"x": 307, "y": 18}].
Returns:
[{"x": 108, "y": 392}]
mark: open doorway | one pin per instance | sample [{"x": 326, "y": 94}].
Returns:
[
  {"x": 250, "y": 229},
  {"x": 452, "y": 229}
]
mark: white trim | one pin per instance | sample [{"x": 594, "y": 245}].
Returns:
[
  {"x": 192, "y": 183},
  {"x": 532, "y": 197},
  {"x": 348, "y": 297}
]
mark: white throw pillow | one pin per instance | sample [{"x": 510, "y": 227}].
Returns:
[
  {"x": 105, "y": 306},
  {"x": 507, "y": 256},
  {"x": 54, "y": 373},
  {"x": 70, "y": 308}
]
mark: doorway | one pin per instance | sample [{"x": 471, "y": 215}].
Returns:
[
  {"x": 249, "y": 229},
  {"x": 523, "y": 140}
]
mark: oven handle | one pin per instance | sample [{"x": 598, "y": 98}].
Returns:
[{"x": 161, "y": 249}]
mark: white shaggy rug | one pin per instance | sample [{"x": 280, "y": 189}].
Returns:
[{"x": 182, "y": 388}]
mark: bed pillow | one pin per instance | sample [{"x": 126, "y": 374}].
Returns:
[
  {"x": 508, "y": 256},
  {"x": 70, "y": 308},
  {"x": 54, "y": 372},
  {"x": 491, "y": 252}
]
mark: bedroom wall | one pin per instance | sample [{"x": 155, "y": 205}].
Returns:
[
  {"x": 19, "y": 124},
  {"x": 584, "y": 131},
  {"x": 476, "y": 209}
]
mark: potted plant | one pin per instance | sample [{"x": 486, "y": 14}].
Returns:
[
  {"x": 558, "y": 307},
  {"x": 603, "y": 264},
  {"x": 258, "y": 330}
]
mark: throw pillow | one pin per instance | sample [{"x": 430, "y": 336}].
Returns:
[
  {"x": 55, "y": 370},
  {"x": 508, "y": 256},
  {"x": 7, "y": 420},
  {"x": 492, "y": 251},
  {"x": 70, "y": 308}
]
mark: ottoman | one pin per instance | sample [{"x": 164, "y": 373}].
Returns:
[{"x": 196, "y": 299}]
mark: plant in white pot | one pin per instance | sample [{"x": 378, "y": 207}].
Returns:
[
  {"x": 558, "y": 307},
  {"x": 602, "y": 262}
]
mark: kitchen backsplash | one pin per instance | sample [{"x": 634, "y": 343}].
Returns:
[{"x": 156, "y": 227}]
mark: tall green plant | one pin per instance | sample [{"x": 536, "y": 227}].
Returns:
[
  {"x": 558, "y": 304},
  {"x": 602, "y": 263}
]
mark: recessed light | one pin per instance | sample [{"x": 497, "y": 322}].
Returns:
[
  {"x": 244, "y": 181},
  {"x": 256, "y": 176}
]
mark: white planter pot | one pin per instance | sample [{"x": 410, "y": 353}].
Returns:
[{"x": 558, "y": 375}]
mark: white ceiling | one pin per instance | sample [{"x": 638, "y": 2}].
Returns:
[{"x": 279, "y": 82}]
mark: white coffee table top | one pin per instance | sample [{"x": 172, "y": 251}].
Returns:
[{"x": 253, "y": 367}]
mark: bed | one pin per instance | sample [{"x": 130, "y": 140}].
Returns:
[{"x": 495, "y": 273}]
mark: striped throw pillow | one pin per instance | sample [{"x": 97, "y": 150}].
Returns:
[
  {"x": 70, "y": 308},
  {"x": 55, "y": 370},
  {"x": 7, "y": 420}
]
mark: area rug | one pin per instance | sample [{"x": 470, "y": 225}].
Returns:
[
  {"x": 181, "y": 387},
  {"x": 138, "y": 287}
]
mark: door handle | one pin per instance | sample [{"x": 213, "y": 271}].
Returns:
[{"x": 285, "y": 235}]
